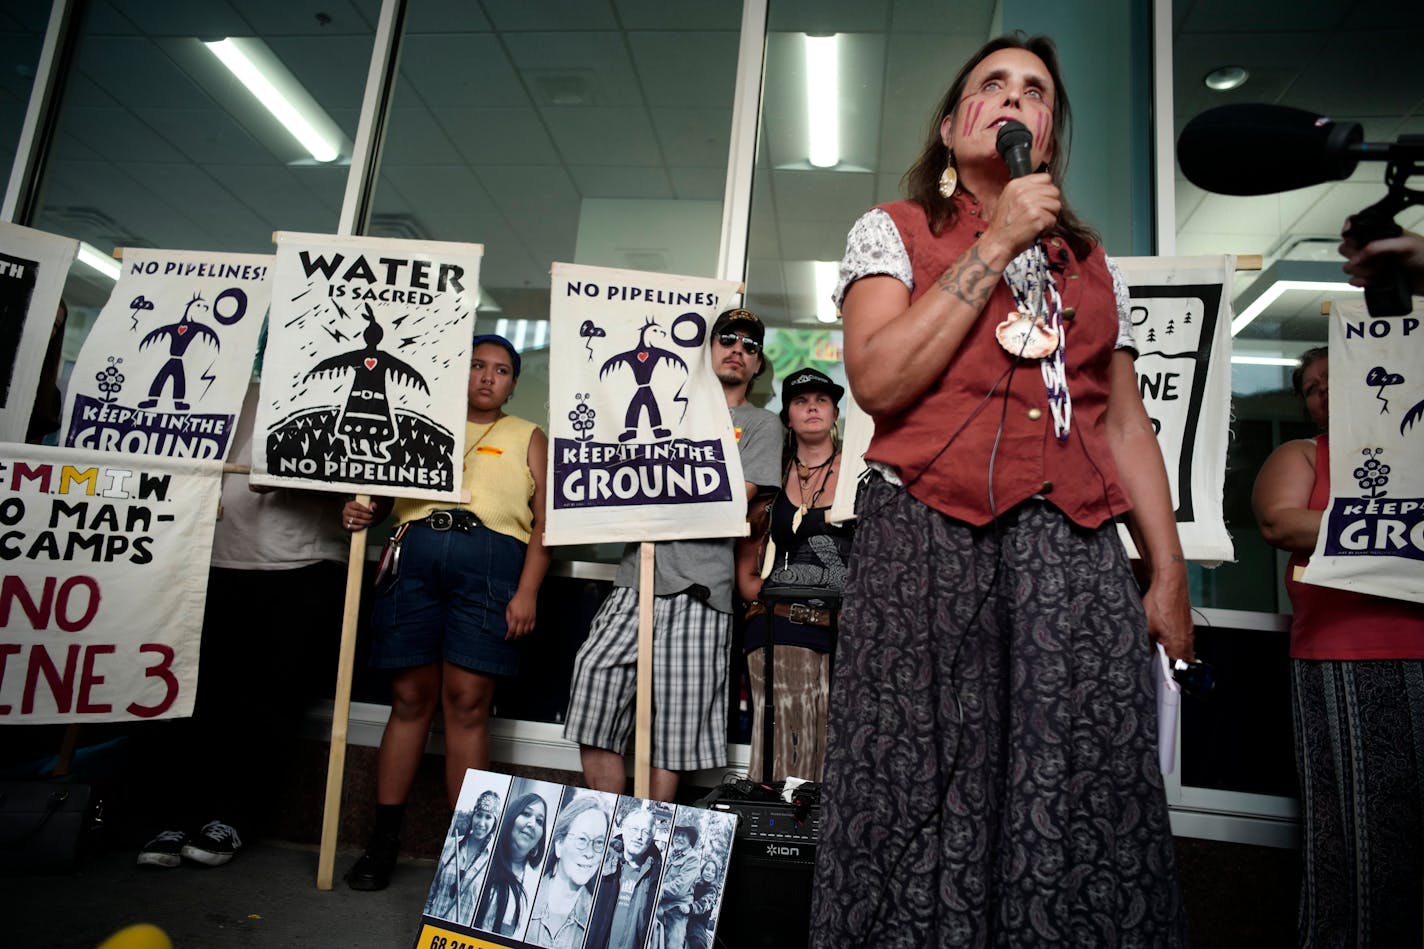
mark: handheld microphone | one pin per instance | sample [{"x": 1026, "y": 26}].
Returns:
[
  {"x": 1015, "y": 145},
  {"x": 1262, "y": 149}
]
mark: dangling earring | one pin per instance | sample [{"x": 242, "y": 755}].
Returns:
[{"x": 948, "y": 179}]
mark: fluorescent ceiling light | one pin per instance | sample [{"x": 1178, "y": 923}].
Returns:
[
  {"x": 95, "y": 259},
  {"x": 823, "y": 100},
  {"x": 1286, "y": 275},
  {"x": 257, "y": 68},
  {"x": 826, "y": 274}
]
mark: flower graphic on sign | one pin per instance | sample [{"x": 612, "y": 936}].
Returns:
[
  {"x": 110, "y": 380},
  {"x": 1372, "y": 475},
  {"x": 581, "y": 417}
]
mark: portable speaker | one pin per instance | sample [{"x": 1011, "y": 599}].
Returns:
[{"x": 767, "y": 900}]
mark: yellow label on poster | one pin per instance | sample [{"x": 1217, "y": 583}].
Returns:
[{"x": 435, "y": 937}]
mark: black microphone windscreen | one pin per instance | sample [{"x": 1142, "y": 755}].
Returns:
[
  {"x": 1262, "y": 149},
  {"x": 1015, "y": 144}
]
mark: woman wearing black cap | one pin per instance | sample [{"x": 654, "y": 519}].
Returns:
[{"x": 793, "y": 569}]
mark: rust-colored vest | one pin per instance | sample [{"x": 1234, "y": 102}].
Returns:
[{"x": 1077, "y": 475}]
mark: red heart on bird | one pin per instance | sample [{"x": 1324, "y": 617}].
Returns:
[
  {"x": 642, "y": 357},
  {"x": 182, "y": 330},
  {"x": 370, "y": 362}
]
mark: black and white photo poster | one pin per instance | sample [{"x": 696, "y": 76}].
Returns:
[
  {"x": 33, "y": 267},
  {"x": 165, "y": 367},
  {"x": 641, "y": 441},
  {"x": 367, "y": 362},
  {"x": 530, "y": 863}
]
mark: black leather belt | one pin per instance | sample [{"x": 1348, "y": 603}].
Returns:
[
  {"x": 457, "y": 520},
  {"x": 802, "y": 614}
]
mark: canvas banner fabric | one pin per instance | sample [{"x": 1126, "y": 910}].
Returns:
[
  {"x": 165, "y": 366},
  {"x": 1182, "y": 323},
  {"x": 641, "y": 442},
  {"x": 367, "y": 364},
  {"x": 530, "y": 863},
  {"x": 1372, "y": 534},
  {"x": 1181, "y": 319},
  {"x": 103, "y": 585},
  {"x": 33, "y": 267}
]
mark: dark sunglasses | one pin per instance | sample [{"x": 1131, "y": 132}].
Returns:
[{"x": 749, "y": 346}]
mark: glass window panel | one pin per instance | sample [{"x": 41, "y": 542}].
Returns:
[
  {"x": 22, "y": 32},
  {"x": 158, "y": 145},
  {"x": 590, "y": 132},
  {"x": 1298, "y": 64}
]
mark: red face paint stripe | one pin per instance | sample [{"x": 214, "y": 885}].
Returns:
[{"x": 972, "y": 117}]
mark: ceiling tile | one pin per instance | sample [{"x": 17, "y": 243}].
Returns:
[
  {"x": 414, "y": 137},
  {"x": 118, "y": 135},
  {"x": 137, "y": 73},
  {"x": 514, "y": 136},
  {"x": 694, "y": 136},
  {"x": 704, "y": 184},
  {"x": 520, "y": 15},
  {"x": 460, "y": 71},
  {"x": 211, "y": 18},
  {"x": 595, "y": 181},
  {"x": 206, "y": 135},
  {"x": 686, "y": 70},
  {"x": 604, "y": 136},
  {"x": 595, "y": 65},
  {"x": 662, "y": 15}
]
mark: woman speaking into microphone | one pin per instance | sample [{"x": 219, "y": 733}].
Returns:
[{"x": 991, "y": 775}]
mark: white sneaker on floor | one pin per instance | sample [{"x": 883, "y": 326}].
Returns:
[
  {"x": 165, "y": 850},
  {"x": 214, "y": 845}
]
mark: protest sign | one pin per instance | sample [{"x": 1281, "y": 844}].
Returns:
[
  {"x": 1372, "y": 533},
  {"x": 367, "y": 362},
  {"x": 641, "y": 441},
  {"x": 165, "y": 366},
  {"x": 103, "y": 583},
  {"x": 33, "y": 267}
]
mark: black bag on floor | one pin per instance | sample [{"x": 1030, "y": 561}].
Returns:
[{"x": 46, "y": 824}]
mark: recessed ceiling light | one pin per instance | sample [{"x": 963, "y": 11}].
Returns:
[{"x": 1226, "y": 77}]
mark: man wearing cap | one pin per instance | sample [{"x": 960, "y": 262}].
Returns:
[{"x": 692, "y": 613}]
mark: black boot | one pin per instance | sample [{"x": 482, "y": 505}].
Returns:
[{"x": 373, "y": 870}]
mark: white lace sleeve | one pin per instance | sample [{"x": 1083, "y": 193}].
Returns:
[
  {"x": 873, "y": 246},
  {"x": 1125, "y": 339}
]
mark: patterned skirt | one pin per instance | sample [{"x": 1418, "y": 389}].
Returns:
[
  {"x": 1359, "y": 744},
  {"x": 992, "y": 776}
]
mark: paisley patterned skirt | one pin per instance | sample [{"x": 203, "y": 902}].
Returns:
[{"x": 992, "y": 776}]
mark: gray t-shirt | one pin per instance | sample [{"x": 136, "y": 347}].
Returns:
[{"x": 679, "y": 565}]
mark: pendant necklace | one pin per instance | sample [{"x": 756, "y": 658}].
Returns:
[
  {"x": 804, "y": 476},
  {"x": 1034, "y": 330}
]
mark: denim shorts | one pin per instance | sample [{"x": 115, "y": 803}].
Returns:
[{"x": 448, "y": 601}]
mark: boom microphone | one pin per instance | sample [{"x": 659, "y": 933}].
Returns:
[
  {"x": 1263, "y": 149},
  {"x": 1015, "y": 144}
]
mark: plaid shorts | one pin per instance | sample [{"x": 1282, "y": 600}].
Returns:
[{"x": 691, "y": 642}]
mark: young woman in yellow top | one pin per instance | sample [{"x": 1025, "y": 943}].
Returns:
[{"x": 466, "y": 589}]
